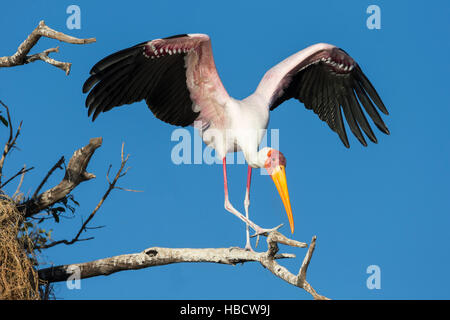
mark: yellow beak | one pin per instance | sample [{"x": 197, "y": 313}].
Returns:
[{"x": 279, "y": 178}]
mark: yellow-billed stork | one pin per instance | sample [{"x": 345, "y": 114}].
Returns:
[{"x": 178, "y": 79}]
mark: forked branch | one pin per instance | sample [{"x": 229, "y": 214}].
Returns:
[
  {"x": 21, "y": 56},
  {"x": 84, "y": 227},
  {"x": 157, "y": 256}
]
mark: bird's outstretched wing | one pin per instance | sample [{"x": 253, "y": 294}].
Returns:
[
  {"x": 326, "y": 79},
  {"x": 176, "y": 76}
]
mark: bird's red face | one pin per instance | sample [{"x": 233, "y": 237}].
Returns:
[{"x": 276, "y": 167}]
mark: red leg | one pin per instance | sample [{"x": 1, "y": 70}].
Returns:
[
  {"x": 225, "y": 182},
  {"x": 246, "y": 205},
  {"x": 229, "y": 207}
]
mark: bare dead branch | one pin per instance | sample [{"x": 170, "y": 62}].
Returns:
[
  {"x": 49, "y": 173},
  {"x": 281, "y": 272},
  {"x": 157, "y": 256},
  {"x": 21, "y": 56},
  {"x": 152, "y": 257},
  {"x": 84, "y": 226},
  {"x": 21, "y": 171},
  {"x": 74, "y": 175},
  {"x": 17, "y": 192},
  {"x": 128, "y": 190},
  {"x": 43, "y": 56},
  {"x": 306, "y": 260}
]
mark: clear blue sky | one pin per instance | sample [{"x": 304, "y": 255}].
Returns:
[{"x": 384, "y": 205}]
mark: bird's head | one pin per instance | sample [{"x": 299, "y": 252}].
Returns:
[{"x": 275, "y": 163}]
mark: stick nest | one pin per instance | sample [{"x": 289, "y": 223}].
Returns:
[{"x": 18, "y": 278}]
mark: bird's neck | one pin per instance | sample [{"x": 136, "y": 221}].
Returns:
[{"x": 257, "y": 159}]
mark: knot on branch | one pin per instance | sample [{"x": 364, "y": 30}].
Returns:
[{"x": 151, "y": 252}]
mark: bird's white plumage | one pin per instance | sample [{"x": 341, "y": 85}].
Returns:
[
  {"x": 317, "y": 75},
  {"x": 178, "y": 79},
  {"x": 242, "y": 123},
  {"x": 246, "y": 122}
]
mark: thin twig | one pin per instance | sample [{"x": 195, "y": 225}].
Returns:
[
  {"x": 16, "y": 193},
  {"x": 49, "y": 173},
  {"x": 9, "y": 145},
  {"x": 21, "y": 171},
  {"x": 111, "y": 186},
  {"x": 128, "y": 190}
]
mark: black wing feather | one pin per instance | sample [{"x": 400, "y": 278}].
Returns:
[
  {"x": 351, "y": 120},
  {"x": 116, "y": 58},
  {"x": 370, "y": 89},
  {"x": 359, "y": 115},
  {"x": 337, "y": 123},
  {"x": 130, "y": 75},
  {"x": 326, "y": 90},
  {"x": 370, "y": 109}
]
